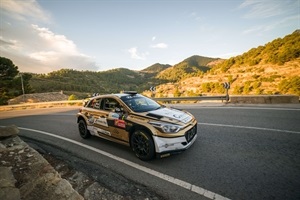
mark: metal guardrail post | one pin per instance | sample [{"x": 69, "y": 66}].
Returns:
[{"x": 227, "y": 96}]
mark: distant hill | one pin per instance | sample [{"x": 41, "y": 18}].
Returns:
[
  {"x": 156, "y": 68},
  {"x": 269, "y": 69},
  {"x": 192, "y": 66},
  {"x": 115, "y": 80},
  {"x": 199, "y": 61},
  {"x": 277, "y": 52},
  {"x": 110, "y": 81}
]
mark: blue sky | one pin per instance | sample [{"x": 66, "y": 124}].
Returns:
[{"x": 41, "y": 36}]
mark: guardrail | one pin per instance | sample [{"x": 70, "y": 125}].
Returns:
[
  {"x": 198, "y": 98},
  {"x": 233, "y": 99},
  {"x": 51, "y": 104}
]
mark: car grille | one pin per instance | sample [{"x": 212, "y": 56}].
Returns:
[{"x": 189, "y": 135}]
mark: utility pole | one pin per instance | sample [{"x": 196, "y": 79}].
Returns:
[{"x": 22, "y": 88}]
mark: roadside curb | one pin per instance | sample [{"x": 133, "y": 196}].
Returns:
[{"x": 26, "y": 174}]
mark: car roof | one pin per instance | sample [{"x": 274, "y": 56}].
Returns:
[{"x": 120, "y": 95}]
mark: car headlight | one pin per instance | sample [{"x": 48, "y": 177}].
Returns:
[{"x": 166, "y": 128}]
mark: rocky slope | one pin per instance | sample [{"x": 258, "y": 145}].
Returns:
[
  {"x": 257, "y": 79},
  {"x": 28, "y": 174}
]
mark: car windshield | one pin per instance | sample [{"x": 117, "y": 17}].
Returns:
[{"x": 139, "y": 103}]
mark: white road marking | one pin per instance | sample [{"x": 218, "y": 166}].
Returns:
[
  {"x": 199, "y": 106},
  {"x": 255, "y": 108},
  {"x": 199, "y": 190},
  {"x": 249, "y": 127}
]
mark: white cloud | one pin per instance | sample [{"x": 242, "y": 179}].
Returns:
[
  {"x": 136, "y": 55},
  {"x": 22, "y": 9},
  {"x": 44, "y": 56},
  {"x": 271, "y": 26},
  {"x": 58, "y": 43},
  {"x": 37, "y": 49},
  {"x": 153, "y": 38},
  {"x": 34, "y": 48},
  {"x": 269, "y": 8},
  {"x": 57, "y": 50},
  {"x": 160, "y": 46}
]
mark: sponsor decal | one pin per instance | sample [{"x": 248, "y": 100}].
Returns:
[
  {"x": 177, "y": 116},
  {"x": 172, "y": 113},
  {"x": 91, "y": 119},
  {"x": 99, "y": 130},
  {"x": 101, "y": 121},
  {"x": 120, "y": 123}
]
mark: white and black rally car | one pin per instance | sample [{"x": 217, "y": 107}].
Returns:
[{"x": 137, "y": 121}]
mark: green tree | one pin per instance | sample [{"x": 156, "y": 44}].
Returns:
[
  {"x": 8, "y": 72},
  {"x": 247, "y": 87},
  {"x": 177, "y": 92},
  {"x": 12, "y": 82},
  {"x": 72, "y": 97},
  {"x": 206, "y": 87},
  {"x": 238, "y": 89},
  {"x": 290, "y": 86}
]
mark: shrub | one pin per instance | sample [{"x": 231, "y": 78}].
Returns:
[{"x": 72, "y": 97}]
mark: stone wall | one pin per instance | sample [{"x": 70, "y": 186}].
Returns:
[
  {"x": 264, "y": 99},
  {"x": 39, "y": 97},
  {"x": 25, "y": 174}
]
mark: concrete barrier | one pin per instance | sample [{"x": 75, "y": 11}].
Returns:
[{"x": 264, "y": 99}]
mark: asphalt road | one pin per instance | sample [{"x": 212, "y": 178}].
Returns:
[{"x": 242, "y": 152}]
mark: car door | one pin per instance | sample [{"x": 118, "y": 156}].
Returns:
[
  {"x": 110, "y": 121},
  {"x": 97, "y": 118}
]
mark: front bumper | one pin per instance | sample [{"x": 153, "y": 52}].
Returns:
[{"x": 167, "y": 146}]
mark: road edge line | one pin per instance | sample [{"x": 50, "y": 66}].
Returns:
[{"x": 196, "y": 189}]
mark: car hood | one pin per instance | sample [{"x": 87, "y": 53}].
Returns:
[{"x": 171, "y": 113}]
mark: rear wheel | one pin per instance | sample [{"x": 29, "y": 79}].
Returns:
[
  {"x": 83, "y": 131},
  {"x": 142, "y": 145}
]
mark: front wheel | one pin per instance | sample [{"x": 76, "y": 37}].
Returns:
[
  {"x": 83, "y": 131},
  {"x": 142, "y": 145}
]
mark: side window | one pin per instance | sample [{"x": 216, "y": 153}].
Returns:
[
  {"x": 109, "y": 104},
  {"x": 95, "y": 103},
  {"x": 91, "y": 104}
]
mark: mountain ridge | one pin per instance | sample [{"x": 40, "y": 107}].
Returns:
[{"x": 245, "y": 72}]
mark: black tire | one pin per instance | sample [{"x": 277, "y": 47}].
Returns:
[
  {"x": 83, "y": 131},
  {"x": 142, "y": 145}
]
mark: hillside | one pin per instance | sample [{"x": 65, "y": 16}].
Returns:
[
  {"x": 270, "y": 69},
  {"x": 192, "y": 66},
  {"x": 115, "y": 80},
  {"x": 111, "y": 81},
  {"x": 156, "y": 68}
]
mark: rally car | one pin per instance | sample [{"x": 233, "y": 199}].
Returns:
[{"x": 129, "y": 118}]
